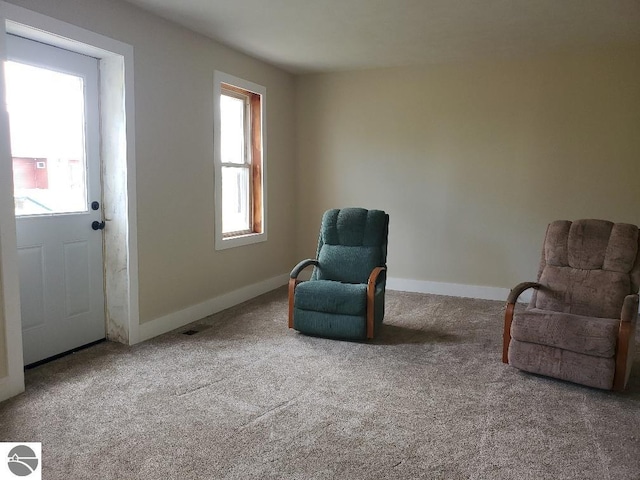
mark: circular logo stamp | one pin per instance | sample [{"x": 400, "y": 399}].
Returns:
[{"x": 22, "y": 461}]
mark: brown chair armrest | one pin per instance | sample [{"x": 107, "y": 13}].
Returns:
[
  {"x": 519, "y": 289},
  {"x": 371, "y": 296},
  {"x": 508, "y": 315},
  {"x": 630, "y": 309},
  {"x": 624, "y": 346}
]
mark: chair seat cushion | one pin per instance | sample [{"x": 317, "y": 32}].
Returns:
[
  {"x": 555, "y": 362},
  {"x": 587, "y": 335},
  {"x": 332, "y": 297}
]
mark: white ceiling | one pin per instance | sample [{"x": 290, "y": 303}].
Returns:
[{"x": 330, "y": 35}]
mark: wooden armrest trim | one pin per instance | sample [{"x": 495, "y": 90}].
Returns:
[
  {"x": 519, "y": 289},
  {"x": 371, "y": 297},
  {"x": 292, "y": 290},
  {"x": 302, "y": 265},
  {"x": 626, "y": 336},
  {"x": 506, "y": 335}
]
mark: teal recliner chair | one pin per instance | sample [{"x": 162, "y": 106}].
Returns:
[{"x": 345, "y": 296}]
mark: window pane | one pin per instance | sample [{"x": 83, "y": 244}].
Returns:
[
  {"x": 235, "y": 199},
  {"x": 232, "y": 130},
  {"x": 46, "y": 116}
]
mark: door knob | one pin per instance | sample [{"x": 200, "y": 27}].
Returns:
[{"x": 97, "y": 225}]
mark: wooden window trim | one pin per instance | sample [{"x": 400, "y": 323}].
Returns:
[
  {"x": 259, "y": 185},
  {"x": 254, "y": 159},
  {"x": 255, "y": 107}
]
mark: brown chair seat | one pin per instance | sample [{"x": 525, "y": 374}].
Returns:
[{"x": 576, "y": 333}]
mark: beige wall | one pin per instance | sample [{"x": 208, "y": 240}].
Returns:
[
  {"x": 178, "y": 266},
  {"x": 472, "y": 161}
]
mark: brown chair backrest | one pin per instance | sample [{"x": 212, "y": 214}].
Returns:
[{"x": 588, "y": 267}]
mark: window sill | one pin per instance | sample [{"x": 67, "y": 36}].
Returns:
[{"x": 240, "y": 240}]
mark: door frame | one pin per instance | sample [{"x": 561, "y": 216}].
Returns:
[{"x": 117, "y": 151}]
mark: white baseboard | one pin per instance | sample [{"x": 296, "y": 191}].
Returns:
[
  {"x": 453, "y": 289},
  {"x": 196, "y": 312},
  {"x": 214, "y": 305}
]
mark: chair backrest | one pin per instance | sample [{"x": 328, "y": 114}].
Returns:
[
  {"x": 588, "y": 267},
  {"x": 353, "y": 241}
]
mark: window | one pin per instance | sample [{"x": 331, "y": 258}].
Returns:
[
  {"x": 47, "y": 117},
  {"x": 239, "y": 142}
]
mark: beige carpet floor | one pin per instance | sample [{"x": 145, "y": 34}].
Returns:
[{"x": 247, "y": 398}]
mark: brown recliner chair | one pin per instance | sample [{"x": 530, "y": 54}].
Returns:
[{"x": 580, "y": 324}]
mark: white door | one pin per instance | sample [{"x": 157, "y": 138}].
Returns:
[{"x": 52, "y": 98}]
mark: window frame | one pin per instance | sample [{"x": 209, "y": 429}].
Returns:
[
  {"x": 247, "y": 157},
  {"x": 257, "y": 96}
]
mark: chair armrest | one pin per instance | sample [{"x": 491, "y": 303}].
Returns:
[
  {"x": 376, "y": 273},
  {"x": 508, "y": 315},
  {"x": 519, "y": 289},
  {"x": 630, "y": 309},
  {"x": 301, "y": 266},
  {"x": 626, "y": 339},
  {"x": 293, "y": 282}
]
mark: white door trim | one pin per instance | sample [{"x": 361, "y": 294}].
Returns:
[{"x": 116, "y": 63}]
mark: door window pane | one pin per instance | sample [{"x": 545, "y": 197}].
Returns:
[{"x": 46, "y": 116}]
